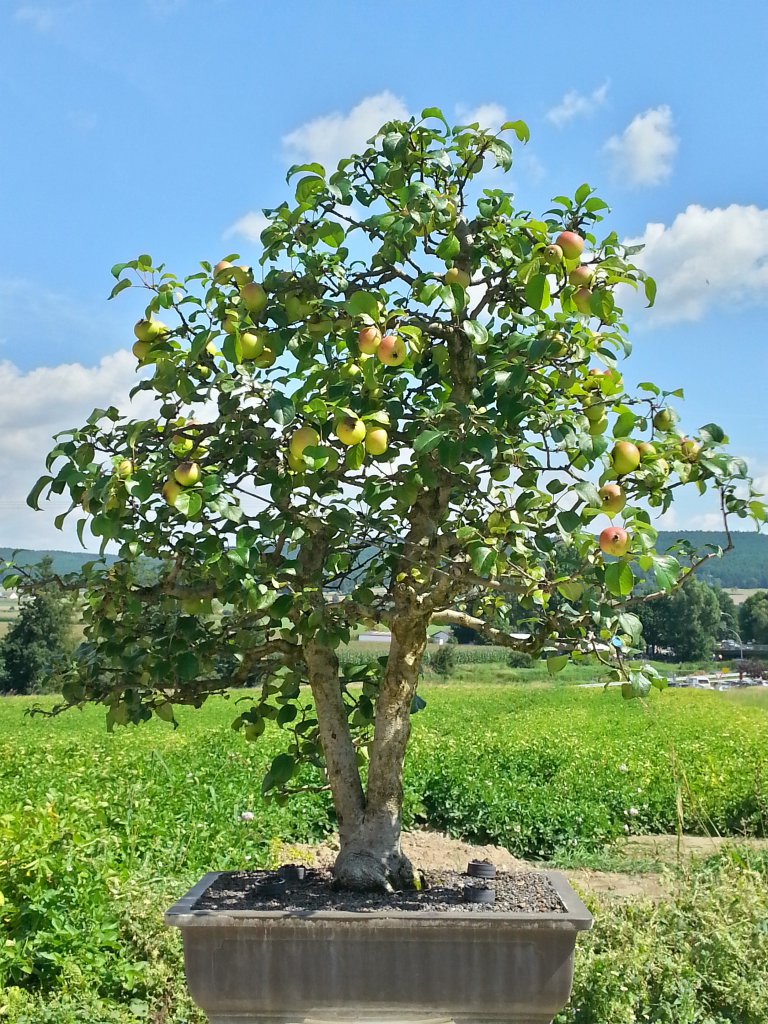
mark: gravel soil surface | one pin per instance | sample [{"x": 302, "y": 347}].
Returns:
[{"x": 516, "y": 892}]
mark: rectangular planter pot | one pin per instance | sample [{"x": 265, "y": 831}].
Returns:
[{"x": 248, "y": 967}]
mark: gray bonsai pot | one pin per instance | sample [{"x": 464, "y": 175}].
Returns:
[{"x": 248, "y": 967}]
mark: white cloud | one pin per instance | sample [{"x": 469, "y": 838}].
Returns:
[
  {"x": 40, "y": 18},
  {"x": 706, "y": 258},
  {"x": 643, "y": 153},
  {"x": 490, "y": 116},
  {"x": 327, "y": 139},
  {"x": 249, "y": 226},
  {"x": 36, "y": 405},
  {"x": 576, "y": 104}
]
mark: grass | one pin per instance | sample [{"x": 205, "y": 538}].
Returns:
[{"x": 99, "y": 832}]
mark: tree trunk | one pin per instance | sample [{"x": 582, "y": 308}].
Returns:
[{"x": 372, "y": 858}]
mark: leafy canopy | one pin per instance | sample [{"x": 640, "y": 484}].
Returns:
[{"x": 446, "y": 469}]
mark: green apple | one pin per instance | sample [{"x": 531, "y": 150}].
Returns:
[
  {"x": 254, "y": 298},
  {"x": 266, "y": 359},
  {"x": 125, "y": 469},
  {"x": 349, "y": 371},
  {"x": 647, "y": 451},
  {"x": 595, "y": 411},
  {"x": 500, "y": 473},
  {"x": 222, "y": 271},
  {"x": 598, "y": 426},
  {"x": 690, "y": 450},
  {"x": 141, "y": 350},
  {"x": 297, "y": 307},
  {"x": 350, "y": 431},
  {"x": 304, "y": 437},
  {"x": 454, "y": 275},
  {"x": 251, "y": 344},
  {"x": 171, "y": 491},
  {"x": 625, "y": 457},
  {"x": 376, "y": 440},
  {"x": 241, "y": 275},
  {"x": 553, "y": 255},
  {"x": 664, "y": 419},
  {"x": 187, "y": 474},
  {"x": 149, "y": 330},
  {"x": 613, "y": 499}
]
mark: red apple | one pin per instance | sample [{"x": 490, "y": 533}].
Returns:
[
  {"x": 581, "y": 275},
  {"x": 614, "y": 541},
  {"x": 571, "y": 244},
  {"x": 392, "y": 350},
  {"x": 581, "y": 300},
  {"x": 368, "y": 340}
]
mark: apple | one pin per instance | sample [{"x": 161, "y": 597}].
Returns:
[
  {"x": 392, "y": 350},
  {"x": 454, "y": 275},
  {"x": 221, "y": 272},
  {"x": 149, "y": 330},
  {"x": 297, "y": 307},
  {"x": 625, "y": 457},
  {"x": 664, "y": 419},
  {"x": 581, "y": 275},
  {"x": 254, "y": 298},
  {"x": 141, "y": 350},
  {"x": 368, "y": 340},
  {"x": 266, "y": 359},
  {"x": 187, "y": 474},
  {"x": 180, "y": 444},
  {"x": 690, "y": 450},
  {"x": 296, "y": 463},
  {"x": 171, "y": 491},
  {"x": 500, "y": 473},
  {"x": 304, "y": 437},
  {"x": 251, "y": 344},
  {"x": 319, "y": 327},
  {"x": 613, "y": 498},
  {"x": 614, "y": 541},
  {"x": 553, "y": 255},
  {"x": 125, "y": 469},
  {"x": 376, "y": 440},
  {"x": 558, "y": 346},
  {"x": 598, "y": 426},
  {"x": 571, "y": 244},
  {"x": 230, "y": 321},
  {"x": 595, "y": 411},
  {"x": 350, "y": 430},
  {"x": 349, "y": 371},
  {"x": 647, "y": 451},
  {"x": 581, "y": 300}
]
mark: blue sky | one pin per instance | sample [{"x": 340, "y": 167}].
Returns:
[{"x": 164, "y": 126}]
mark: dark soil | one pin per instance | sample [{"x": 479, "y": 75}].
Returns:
[{"x": 516, "y": 892}]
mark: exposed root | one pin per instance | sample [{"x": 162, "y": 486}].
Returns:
[{"x": 367, "y": 871}]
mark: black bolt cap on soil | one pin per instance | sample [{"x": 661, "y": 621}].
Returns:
[
  {"x": 481, "y": 869},
  {"x": 293, "y": 872},
  {"x": 270, "y": 888},
  {"x": 479, "y": 894}
]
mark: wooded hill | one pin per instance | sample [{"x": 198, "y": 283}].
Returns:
[{"x": 746, "y": 566}]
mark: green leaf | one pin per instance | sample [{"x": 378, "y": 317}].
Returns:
[
  {"x": 189, "y": 503},
  {"x": 363, "y": 302},
  {"x": 631, "y": 625},
  {"x": 713, "y": 432},
  {"x": 581, "y": 193},
  {"x": 503, "y": 153},
  {"x": 120, "y": 287},
  {"x": 520, "y": 128},
  {"x": 476, "y": 332},
  {"x": 537, "y": 292},
  {"x": 619, "y": 578},
  {"x": 428, "y": 440},
  {"x": 281, "y": 408},
  {"x": 280, "y": 772},
  {"x": 34, "y": 495},
  {"x": 624, "y": 425},
  {"x": 448, "y": 248},
  {"x": 666, "y": 570},
  {"x": 557, "y": 663},
  {"x": 316, "y": 169},
  {"x": 332, "y": 233},
  {"x": 187, "y": 666},
  {"x": 650, "y": 290},
  {"x": 434, "y": 112},
  {"x": 482, "y": 558}
]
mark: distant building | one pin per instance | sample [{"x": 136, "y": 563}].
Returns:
[
  {"x": 442, "y": 636},
  {"x": 375, "y": 638}
]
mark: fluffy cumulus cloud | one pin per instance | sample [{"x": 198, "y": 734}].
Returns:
[
  {"x": 576, "y": 104},
  {"x": 644, "y": 152},
  {"x": 328, "y": 138},
  {"x": 706, "y": 258},
  {"x": 36, "y": 405},
  {"x": 249, "y": 226}
]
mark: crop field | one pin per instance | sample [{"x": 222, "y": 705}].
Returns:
[{"x": 99, "y": 832}]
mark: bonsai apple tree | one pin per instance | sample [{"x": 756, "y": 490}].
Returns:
[{"x": 410, "y": 412}]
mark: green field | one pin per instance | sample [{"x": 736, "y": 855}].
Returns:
[{"x": 99, "y": 832}]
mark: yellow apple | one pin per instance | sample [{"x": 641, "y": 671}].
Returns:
[
  {"x": 392, "y": 350},
  {"x": 304, "y": 437},
  {"x": 456, "y": 276},
  {"x": 376, "y": 440},
  {"x": 149, "y": 330},
  {"x": 171, "y": 491},
  {"x": 187, "y": 474},
  {"x": 613, "y": 499},
  {"x": 625, "y": 457},
  {"x": 350, "y": 430},
  {"x": 251, "y": 344}
]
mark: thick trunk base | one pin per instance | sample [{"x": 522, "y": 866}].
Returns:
[{"x": 373, "y": 861}]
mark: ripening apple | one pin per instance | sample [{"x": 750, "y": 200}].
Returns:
[
  {"x": 296, "y": 463},
  {"x": 392, "y": 350},
  {"x": 571, "y": 244},
  {"x": 594, "y": 411},
  {"x": 625, "y": 457},
  {"x": 368, "y": 340},
  {"x": 614, "y": 541},
  {"x": 254, "y": 298},
  {"x": 454, "y": 275},
  {"x": 187, "y": 474},
  {"x": 304, "y": 437},
  {"x": 149, "y": 330},
  {"x": 664, "y": 419},
  {"x": 690, "y": 450},
  {"x": 222, "y": 270},
  {"x": 266, "y": 359},
  {"x": 171, "y": 491},
  {"x": 376, "y": 440},
  {"x": 500, "y": 473},
  {"x": 647, "y": 451},
  {"x": 251, "y": 344},
  {"x": 241, "y": 275},
  {"x": 296, "y": 307},
  {"x": 230, "y": 321},
  {"x": 553, "y": 255},
  {"x": 349, "y": 371},
  {"x": 558, "y": 347},
  {"x": 350, "y": 430},
  {"x": 581, "y": 300},
  {"x": 125, "y": 469},
  {"x": 598, "y": 426},
  {"x": 141, "y": 350},
  {"x": 613, "y": 499},
  {"x": 581, "y": 275}
]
